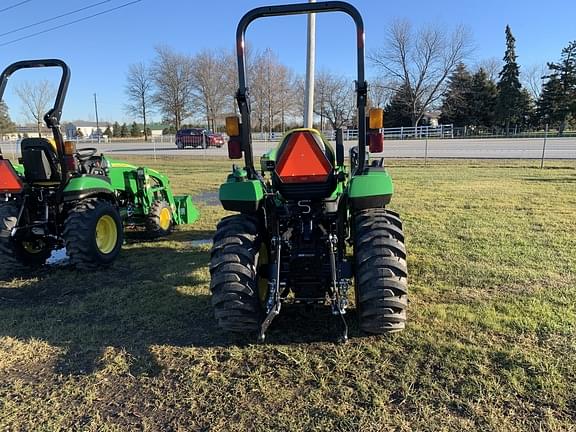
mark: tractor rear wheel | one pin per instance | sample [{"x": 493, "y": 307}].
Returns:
[
  {"x": 380, "y": 271},
  {"x": 235, "y": 267},
  {"x": 93, "y": 234},
  {"x": 159, "y": 220},
  {"x": 15, "y": 254}
]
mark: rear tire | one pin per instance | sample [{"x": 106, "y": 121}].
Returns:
[
  {"x": 15, "y": 255},
  {"x": 380, "y": 271},
  {"x": 234, "y": 274},
  {"x": 159, "y": 220},
  {"x": 93, "y": 234}
]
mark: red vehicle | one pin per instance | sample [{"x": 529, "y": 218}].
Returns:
[{"x": 197, "y": 137}]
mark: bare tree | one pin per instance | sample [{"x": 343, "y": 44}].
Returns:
[
  {"x": 258, "y": 90},
  {"x": 380, "y": 92},
  {"x": 334, "y": 100},
  {"x": 421, "y": 61},
  {"x": 288, "y": 93},
  {"x": 139, "y": 90},
  {"x": 533, "y": 78},
  {"x": 267, "y": 80},
  {"x": 231, "y": 68},
  {"x": 492, "y": 66},
  {"x": 210, "y": 91},
  {"x": 36, "y": 99},
  {"x": 173, "y": 78}
]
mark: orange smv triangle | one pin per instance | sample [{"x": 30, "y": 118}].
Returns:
[
  {"x": 9, "y": 180},
  {"x": 303, "y": 161}
]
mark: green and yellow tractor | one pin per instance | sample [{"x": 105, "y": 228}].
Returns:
[
  {"x": 59, "y": 196},
  {"x": 300, "y": 210}
]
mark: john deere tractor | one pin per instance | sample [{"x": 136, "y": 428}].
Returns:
[
  {"x": 300, "y": 210},
  {"x": 62, "y": 196}
]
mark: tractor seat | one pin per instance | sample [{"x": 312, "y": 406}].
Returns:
[
  {"x": 40, "y": 161},
  {"x": 304, "y": 166}
]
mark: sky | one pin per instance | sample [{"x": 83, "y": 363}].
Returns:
[{"x": 99, "y": 50}]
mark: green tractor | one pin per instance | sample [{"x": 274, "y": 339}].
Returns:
[
  {"x": 59, "y": 196},
  {"x": 300, "y": 210}
]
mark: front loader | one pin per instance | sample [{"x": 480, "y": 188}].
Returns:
[{"x": 299, "y": 210}]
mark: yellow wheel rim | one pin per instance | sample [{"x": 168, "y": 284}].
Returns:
[
  {"x": 262, "y": 282},
  {"x": 165, "y": 218},
  {"x": 106, "y": 234}
]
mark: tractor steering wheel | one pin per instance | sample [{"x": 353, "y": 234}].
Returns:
[{"x": 84, "y": 154}]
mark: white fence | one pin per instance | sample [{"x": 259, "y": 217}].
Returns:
[
  {"x": 10, "y": 148},
  {"x": 441, "y": 131}
]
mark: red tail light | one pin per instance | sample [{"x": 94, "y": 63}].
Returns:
[
  {"x": 9, "y": 180},
  {"x": 303, "y": 161},
  {"x": 235, "y": 148},
  {"x": 376, "y": 142}
]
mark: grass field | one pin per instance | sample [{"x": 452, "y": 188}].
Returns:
[{"x": 490, "y": 345}]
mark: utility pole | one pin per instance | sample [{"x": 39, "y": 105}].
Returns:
[
  {"x": 310, "y": 67},
  {"x": 544, "y": 146},
  {"x": 97, "y": 124}
]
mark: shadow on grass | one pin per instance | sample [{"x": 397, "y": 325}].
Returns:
[
  {"x": 139, "y": 234},
  {"x": 568, "y": 179},
  {"x": 153, "y": 295}
]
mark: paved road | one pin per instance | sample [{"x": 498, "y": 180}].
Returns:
[{"x": 519, "y": 148}]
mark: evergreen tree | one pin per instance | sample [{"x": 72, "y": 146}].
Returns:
[
  {"x": 6, "y": 124},
  {"x": 108, "y": 131},
  {"x": 455, "y": 108},
  {"x": 124, "y": 131},
  {"x": 558, "y": 99},
  {"x": 135, "y": 131},
  {"x": 398, "y": 112},
  {"x": 526, "y": 109},
  {"x": 116, "y": 130},
  {"x": 482, "y": 100},
  {"x": 509, "y": 96}
]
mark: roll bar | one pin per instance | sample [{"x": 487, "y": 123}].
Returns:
[
  {"x": 242, "y": 95},
  {"x": 53, "y": 116}
]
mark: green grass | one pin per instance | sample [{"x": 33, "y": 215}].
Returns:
[{"x": 490, "y": 344}]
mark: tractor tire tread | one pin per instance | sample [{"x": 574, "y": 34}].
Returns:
[
  {"x": 233, "y": 281},
  {"x": 380, "y": 271},
  {"x": 79, "y": 246}
]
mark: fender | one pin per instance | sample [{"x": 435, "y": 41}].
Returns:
[
  {"x": 373, "y": 189},
  {"x": 86, "y": 186}
]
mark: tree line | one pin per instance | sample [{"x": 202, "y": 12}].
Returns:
[
  {"x": 417, "y": 71},
  {"x": 427, "y": 70},
  {"x": 203, "y": 87}
]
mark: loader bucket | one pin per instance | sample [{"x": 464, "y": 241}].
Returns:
[{"x": 186, "y": 211}]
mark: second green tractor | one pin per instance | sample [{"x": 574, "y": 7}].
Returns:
[{"x": 59, "y": 196}]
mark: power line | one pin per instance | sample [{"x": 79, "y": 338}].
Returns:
[
  {"x": 54, "y": 18},
  {"x": 15, "y": 5},
  {"x": 70, "y": 23}
]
